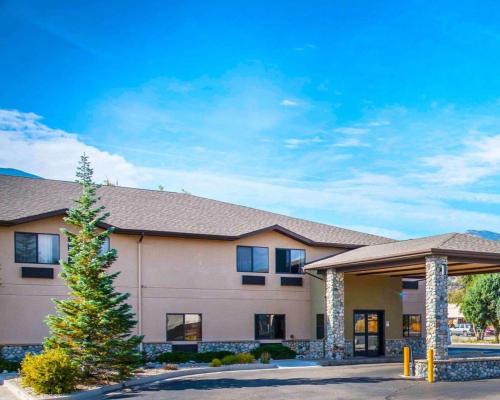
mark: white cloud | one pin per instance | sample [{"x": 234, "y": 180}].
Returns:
[
  {"x": 29, "y": 145},
  {"x": 390, "y": 233},
  {"x": 350, "y": 142},
  {"x": 349, "y": 130},
  {"x": 377, "y": 203},
  {"x": 289, "y": 103},
  {"x": 379, "y": 123},
  {"x": 293, "y": 143},
  {"x": 479, "y": 159}
]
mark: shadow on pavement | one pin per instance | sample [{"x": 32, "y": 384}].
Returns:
[{"x": 226, "y": 383}]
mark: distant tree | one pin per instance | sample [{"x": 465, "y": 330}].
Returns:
[
  {"x": 185, "y": 191},
  {"x": 93, "y": 326},
  {"x": 481, "y": 302},
  {"x": 161, "y": 188},
  {"x": 107, "y": 182}
]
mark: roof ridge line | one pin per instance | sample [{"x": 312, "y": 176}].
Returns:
[{"x": 448, "y": 239}]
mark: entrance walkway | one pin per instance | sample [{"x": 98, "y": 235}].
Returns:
[{"x": 330, "y": 383}]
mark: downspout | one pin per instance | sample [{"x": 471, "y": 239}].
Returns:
[{"x": 139, "y": 288}]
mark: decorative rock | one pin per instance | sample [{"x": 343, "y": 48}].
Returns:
[
  {"x": 394, "y": 347},
  {"x": 436, "y": 305},
  {"x": 234, "y": 346},
  {"x": 334, "y": 301},
  {"x": 17, "y": 352},
  {"x": 152, "y": 350},
  {"x": 461, "y": 369}
]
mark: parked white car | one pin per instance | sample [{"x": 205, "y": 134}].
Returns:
[{"x": 462, "y": 330}]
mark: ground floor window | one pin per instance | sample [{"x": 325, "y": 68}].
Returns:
[
  {"x": 320, "y": 326},
  {"x": 269, "y": 326},
  {"x": 183, "y": 327},
  {"x": 412, "y": 325}
]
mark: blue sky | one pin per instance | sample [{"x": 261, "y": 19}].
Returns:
[{"x": 378, "y": 117}]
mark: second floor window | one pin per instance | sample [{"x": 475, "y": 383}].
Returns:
[
  {"x": 252, "y": 259},
  {"x": 36, "y": 248},
  {"x": 290, "y": 261}
]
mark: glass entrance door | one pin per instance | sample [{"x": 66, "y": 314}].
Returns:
[{"x": 368, "y": 333}]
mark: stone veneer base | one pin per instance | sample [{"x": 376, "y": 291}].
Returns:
[
  {"x": 461, "y": 369},
  {"x": 311, "y": 349}
]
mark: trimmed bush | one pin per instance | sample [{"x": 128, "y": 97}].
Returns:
[
  {"x": 50, "y": 372},
  {"x": 9, "y": 366},
  {"x": 265, "y": 357},
  {"x": 228, "y": 360},
  {"x": 215, "y": 363},
  {"x": 242, "y": 358},
  {"x": 277, "y": 351},
  {"x": 185, "y": 356}
]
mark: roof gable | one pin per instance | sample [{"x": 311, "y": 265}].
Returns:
[{"x": 167, "y": 213}]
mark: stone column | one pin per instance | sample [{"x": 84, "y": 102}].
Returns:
[
  {"x": 436, "y": 305},
  {"x": 334, "y": 314}
]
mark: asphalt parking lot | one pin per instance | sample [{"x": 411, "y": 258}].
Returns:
[{"x": 380, "y": 381}]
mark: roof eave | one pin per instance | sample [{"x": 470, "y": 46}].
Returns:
[
  {"x": 192, "y": 235},
  {"x": 469, "y": 256}
]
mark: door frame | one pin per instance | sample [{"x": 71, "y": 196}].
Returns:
[{"x": 381, "y": 333}]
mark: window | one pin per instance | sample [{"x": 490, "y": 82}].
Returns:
[
  {"x": 290, "y": 261},
  {"x": 412, "y": 325},
  {"x": 104, "y": 248},
  {"x": 252, "y": 259},
  {"x": 269, "y": 326},
  {"x": 183, "y": 327},
  {"x": 36, "y": 248},
  {"x": 320, "y": 326},
  {"x": 411, "y": 285}
]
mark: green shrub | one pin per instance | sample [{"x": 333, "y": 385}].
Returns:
[
  {"x": 215, "y": 363},
  {"x": 185, "y": 356},
  {"x": 228, "y": 360},
  {"x": 241, "y": 358},
  {"x": 9, "y": 366},
  {"x": 277, "y": 351},
  {"x": 50, "y": 372},
  {"x": 265, "y": 357},
  {"x": 244, "y": 358}
]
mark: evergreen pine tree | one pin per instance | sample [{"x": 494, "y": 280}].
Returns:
[{"x": 94, "y": 324}]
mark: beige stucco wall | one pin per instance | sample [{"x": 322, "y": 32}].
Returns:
[
  {"x": 179, "y": 276},
  {"x": 366, "y": 293}
]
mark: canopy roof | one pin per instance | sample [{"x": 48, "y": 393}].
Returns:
[{"x": 466, "y": 254}]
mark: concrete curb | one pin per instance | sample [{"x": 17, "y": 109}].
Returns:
[{"x": 17, "y": 390}]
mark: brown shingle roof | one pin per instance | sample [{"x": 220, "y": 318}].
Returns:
[
  {"x": 166, "y": 213},
  {"x": 447, "y": 243}
]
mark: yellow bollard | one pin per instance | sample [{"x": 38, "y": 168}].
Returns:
[
  {"x": 406, "y": 361},
  {"x": 430, "y": 365}
]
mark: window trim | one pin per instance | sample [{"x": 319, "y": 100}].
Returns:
[
  {"x": 184, "y": 326},
  {"x": 410, "y": 335},
  {"x": 255, "y": 327},
  {"x": 16, "y": 260},
  {"x": 289, "y": 249},
  {"x": 252, "y": 271}
]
